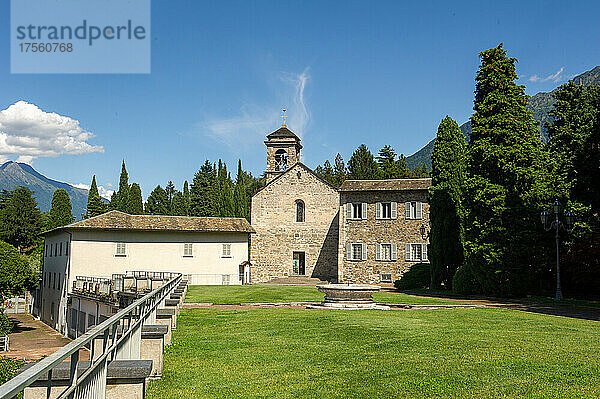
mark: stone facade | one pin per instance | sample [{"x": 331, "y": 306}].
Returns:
[
  {"x": 281, "y": 140},
  {"x": 279, "y": 235},
  {"x": 372, "y": 231}
]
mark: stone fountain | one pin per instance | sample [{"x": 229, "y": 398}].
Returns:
[{"x": 348, "y": 296}]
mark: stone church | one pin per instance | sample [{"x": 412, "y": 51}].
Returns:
[{"x": 367, "y": 231}]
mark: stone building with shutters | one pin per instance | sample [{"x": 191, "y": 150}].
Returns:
[
  {"x": 368, "y": 231},
  {"x": 383, "y": 228}
]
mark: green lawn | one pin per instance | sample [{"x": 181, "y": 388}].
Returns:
[
  {"x": 458, "y": 353},
  {"x": 236, "y": 294}
]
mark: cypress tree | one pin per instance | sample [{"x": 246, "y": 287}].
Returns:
[
  {"x": 60, "y": 212},
  {"x": 186, "y": 198},
  {"x": 508, "y": 184},
  {"x": 95, "y": 206},
  {"x": 122, "y": 196},
  {"x": 240, "y": 193},
  {"x": 170, "y": 190},
  {"x": 135, "y": 203},
  {"x": 223, "y": 192},
  {"x": 445, "y": 199},
  {"x": 158, "y": 202},
  {"x": 362, "y": 165}
]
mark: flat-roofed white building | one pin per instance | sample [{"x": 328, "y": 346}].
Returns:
[{"x": 208, "y": 250}]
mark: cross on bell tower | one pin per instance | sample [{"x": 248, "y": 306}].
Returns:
[{"x": 283, "y": 150}]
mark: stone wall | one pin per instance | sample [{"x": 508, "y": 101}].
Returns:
[
  {"x": 278, "y": 234},
  {"x": 373, "y": 231}
]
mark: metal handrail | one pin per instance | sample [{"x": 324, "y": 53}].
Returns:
[{"x": 135, "y": 315}]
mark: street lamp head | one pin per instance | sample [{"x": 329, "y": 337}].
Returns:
[
  {"x": 570, "y": 219},
  {"x": 544, "y": 217},
  {"x": 556, "y": 206},
  {"x": 422, "y": 230}
]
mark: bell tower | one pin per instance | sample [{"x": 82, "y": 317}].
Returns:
[{"x": 283, "y": 151}]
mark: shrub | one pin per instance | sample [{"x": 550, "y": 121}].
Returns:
[
  {"x": 418, "y": 276},
  {"x": 16, "y": 276},
  {"x": 8, "y": 368},
  {"x": 465, "y": 282},
  {"x": 5, "y": 324}
]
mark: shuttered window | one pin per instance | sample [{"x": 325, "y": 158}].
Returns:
[
  {"x": 356, "y": 251},
  {"x": 386, "y": 252},
  {"x": 121, "y": 249},
  {"x": 415, "y": 252},
  {"x": 413, "y": 210},
  {"x": 356, "y": 211},
  {"x": 188, "y": 249}
]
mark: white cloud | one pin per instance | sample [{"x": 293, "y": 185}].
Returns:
[
  {"x": 555, "y": 77},
  {"x": 27, "y": 132},
  {"x": 254, "y": 121},
  {"x": 104, "y": 192}
]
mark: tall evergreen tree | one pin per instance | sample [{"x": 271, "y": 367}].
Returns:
[
  {"x": 362, "y": 165},
  {"x": 387, "y": 163},
  {"x": 186, "y": 198},
  {"x": 201, "y": 192},
  {"x": 508, "y": 184},
  {"x": 158, "y": 202},
  {"x": 170, "y": 190},
  {"x": 339, "y": 170},
  {"x": 403, "y": 170},
  {"x": 135, "y": 203},
  {"x": 20, "y": 219},
  {"x": 60, "y": 212},
  {"x": 122, "y": 197},
  {"x": 177, "y": 204},
  {"x": 445, "y": 203},
  {"x": 240, "y": 193},
  {"x": 223, "y": 192},
  {"x": 95, "y": 206}
]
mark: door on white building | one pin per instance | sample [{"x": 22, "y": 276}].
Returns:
[{"x": 299, "y": 267}]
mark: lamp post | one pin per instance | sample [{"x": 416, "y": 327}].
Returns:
[{"x": 557, "y": 225}]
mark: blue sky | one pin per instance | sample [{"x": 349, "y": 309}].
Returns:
[{"x": 348, "y": 72}]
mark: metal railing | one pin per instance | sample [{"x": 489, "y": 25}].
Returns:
[
  {"x": 4, "y": 343},
  {"x": 116, "y": 344}
]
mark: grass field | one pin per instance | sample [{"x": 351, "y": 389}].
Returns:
[
  {"x": 236, "y": 294},
  {"x": 459, "y": 353}
]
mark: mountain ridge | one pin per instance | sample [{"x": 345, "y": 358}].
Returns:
[
  {"x": 539, "y": 104},
  {"x": 13, "y": 174}
]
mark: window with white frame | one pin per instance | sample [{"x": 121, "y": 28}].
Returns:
[
  {"x": 121, "y": 249},
  {"x": 188, "y": 250},
  {"x": 356, "y": 251},
  {"x": 386, "y": 210},
  {"x": 414, "y": 210},
  {"x": 356, "y": 211},
  {"x": 386, "y": 252},
  {"x": 226, "y": 250},
  {"x": 386, "y": 277},
  {"x": 415, "y": 252}
]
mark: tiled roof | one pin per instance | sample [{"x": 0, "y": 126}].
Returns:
[
  {"x": 283, "y": 132},
  {"x": 115, "y": 220},
  {"x": 386, "y": 185}
]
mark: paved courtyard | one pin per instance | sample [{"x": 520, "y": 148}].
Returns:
[{"x": 32, "y": 339}]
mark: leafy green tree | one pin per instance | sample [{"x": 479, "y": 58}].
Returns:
[
  {"x": 158, "y": 202},
  {"x": 186, "y": 198},
  {"x": 362, "y": 165},
  {"x": 60, "y": 212},
  {"x": 420, "y": 172},
  {"x": 201, "y": 192},
  {"x": 20, "y": 219},
  {"x": 16, "y": 276},
  {"x": 177, "y": 204},
  {"x": 445, "y": 203},
  {"x": 508, "y": 183},
  {"x": 95, "y": 205},
  {"x": 135, "y": 203}
]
